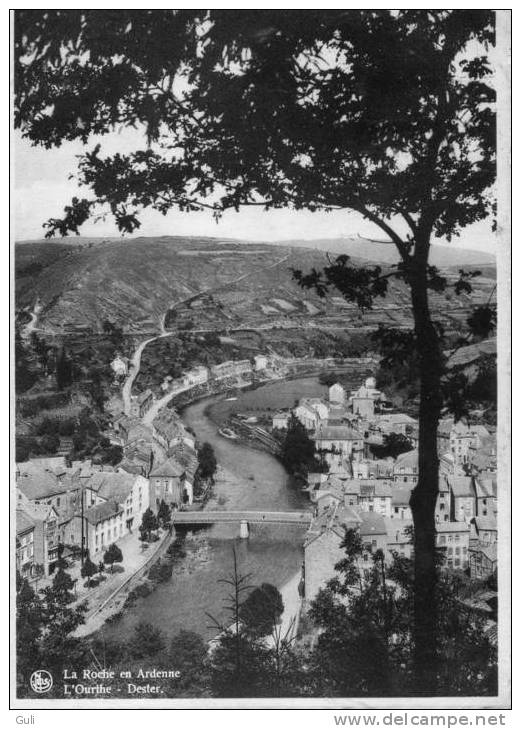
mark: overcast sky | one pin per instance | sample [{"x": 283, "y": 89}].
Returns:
[{"x": 43, "y": 189}]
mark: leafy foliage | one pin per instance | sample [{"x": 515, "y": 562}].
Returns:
[
  {"x": 112, "y": 556},
  {"x": 365, "y": 643},
  {"x": 207, "y": 461},
  {"x": 262, "y": 609},
  {"x": 298, "y": 450},
  {"x": 45, "y": 626},
  {"x": 89, "y": 569},
  {"x": 148, "y": 525},
  {"x": 393, "y": 444},
  {"x": 145, "y": 641}
]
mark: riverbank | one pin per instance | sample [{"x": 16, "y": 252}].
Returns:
[{"x": 107, "y": 599}]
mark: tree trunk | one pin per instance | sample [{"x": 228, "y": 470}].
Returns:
[{"x": 424, "y": 495}]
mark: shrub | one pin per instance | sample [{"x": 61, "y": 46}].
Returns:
[{"x": 160, "y": 571}]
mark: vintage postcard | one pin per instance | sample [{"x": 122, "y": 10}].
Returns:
[{"x": 261, "y": 358}]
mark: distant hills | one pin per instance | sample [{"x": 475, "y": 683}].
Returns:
[
  {"x": 384, "y": 252},
  {"x": 85, "y": 280},
  {"x": 356, "y": 246}
]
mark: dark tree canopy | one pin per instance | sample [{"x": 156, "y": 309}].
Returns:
[
  {"x": 298, "y": 450},
  {"x": 207, "y": 461},
  {"x": 262, "y": 609},
  {"x": 235, "y": 103}
]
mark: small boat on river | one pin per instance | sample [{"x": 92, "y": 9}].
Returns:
[
  {"x": 227, "y": 433},
  {"x": 230, "y": 399}
]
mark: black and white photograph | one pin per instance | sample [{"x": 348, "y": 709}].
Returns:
[{"x": 260, "y": 358}]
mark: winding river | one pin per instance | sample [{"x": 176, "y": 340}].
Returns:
[{"x": 248, "y": 479}]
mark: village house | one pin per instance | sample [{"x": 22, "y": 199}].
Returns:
[
  {"x": 129, "y": 491},
  {"x": 45, "y": 535},
  {"x": 405, "y": 467},
  {"x": 260, "y": 362},
  {"x": 339, "y": 415},
  {"x": 35, "y": 485},
  {"x": 168, "y": 430},
  {"x": 396, "y": 423},
  {"x": 322, "y": 546},
  {"x": 337, "y": 394},
  {"x": 462, "y": 498},
  {"x": 140, "y": 404},
  {"x": 186, "y": 456},
  {"x": 373, "y": 468},
  {"x": 467, "y": 440},
  {"x": 400, "y": 508},
  {"x": 443, "y": 500},
  {"x": 482, "y": 561},
  {"x": 399, "y": 538},
  {"x": 119, "y": 366},
  {"x": 484, "y": 530},
  {"x": 443, "y": 436},
  {"x": 232, "y": 368},
  {"x": 375, "y": 496},
  {"x": 364, "y": 399},
  {"x": 25, "y": 527},
  {"x": 311, "y": 411},
  {"x": 486, "y": 495},
  {"x": 340, "y": 440},
  {"x": 196, "y": 376},
  {"x": 280, "y": 420},
  {"x": 373, "y": 533},
  {"x": 103, "y": 524},
  {"x": 169, "y": 483},
  {"x": 453, "y": 538}
]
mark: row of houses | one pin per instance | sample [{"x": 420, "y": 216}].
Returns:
[
  {"x": 372, "y": 496},
  {"x": 91, "y": 506},
  {"x": 466, "y": 545}
]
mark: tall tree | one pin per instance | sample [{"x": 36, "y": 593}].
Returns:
[
  {"x": 364, "y": 615},
  {"x": 28, "y": 632},
  {"x": 148, "y": 524},
  {"x": 386, "y": 113},
  {"x": 262, "y": 609},
  {"x": 207, "y": 461},
  {"x": 113, "y": 555},
  {"x": 63, "y": 370},
  {"x": 298, "y": 450},
  {"x": 88, "y": 569},
  {"x": 59, "y": 648}
]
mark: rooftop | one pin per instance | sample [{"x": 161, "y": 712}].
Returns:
[
  {"x": 38, "y": 484},
  {"x": 372, "y": 523},
  {"x": 336, "y": 432},
  {"x": 102, "y": 512},
  {"x": 451, "y": 526},
  {"x": 170, "y": 469},
  {"x": 23, "y": 522}
]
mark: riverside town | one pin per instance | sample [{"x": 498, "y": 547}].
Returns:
[{"x": 260, "y": 458}]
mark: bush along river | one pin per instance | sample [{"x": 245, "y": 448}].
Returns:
[{"x": 247, "y": 479}]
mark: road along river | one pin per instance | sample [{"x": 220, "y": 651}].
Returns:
[{"x": 247, "y": 480}]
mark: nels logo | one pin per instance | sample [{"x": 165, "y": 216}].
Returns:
[{"x": 41, "y": 681}]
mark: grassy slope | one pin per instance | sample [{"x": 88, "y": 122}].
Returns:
[{"x": 125, "y": 280}]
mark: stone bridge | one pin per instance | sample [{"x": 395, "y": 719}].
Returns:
[{"x": 244, "y": 518}]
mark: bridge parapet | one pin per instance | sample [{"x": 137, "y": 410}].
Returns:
[{"x": 251, "y": 517}]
